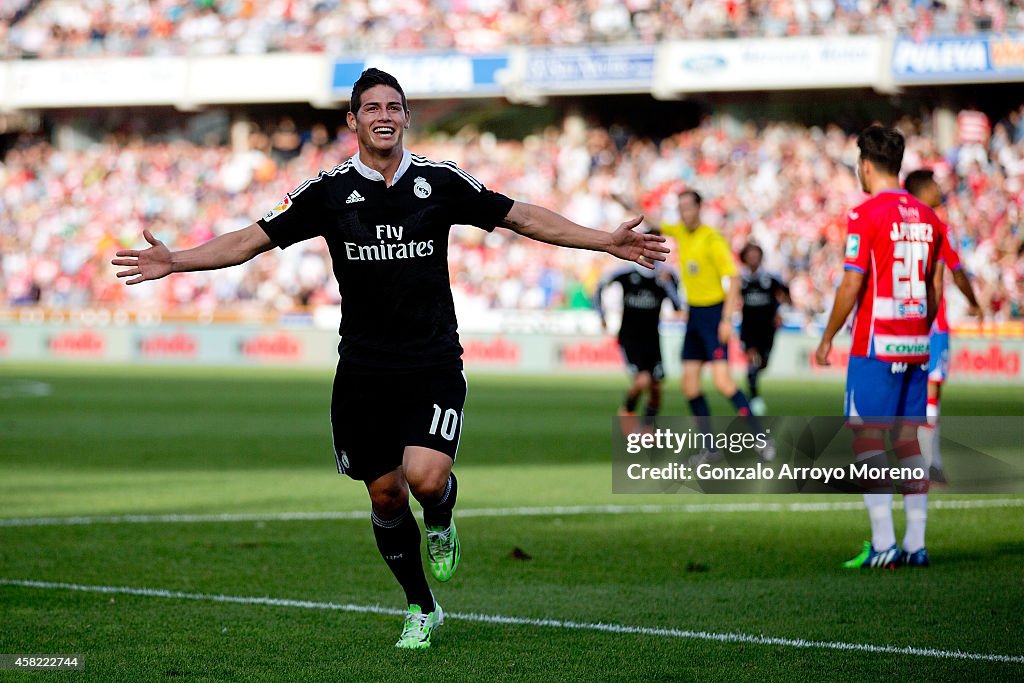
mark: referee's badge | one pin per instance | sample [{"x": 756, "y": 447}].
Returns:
[{"x": 421, "y": 188}]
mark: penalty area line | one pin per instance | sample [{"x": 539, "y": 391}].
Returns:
[
  {"x": 548, "y": 511},
  {"x": 623, "y": 629}
]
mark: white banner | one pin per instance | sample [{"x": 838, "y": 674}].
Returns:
[
  {"x": 178, "y": 81},
  {"x": 259, "y": 78},
  {"x": 95, "y": 82},
  {"x": 768, "y": 64}
]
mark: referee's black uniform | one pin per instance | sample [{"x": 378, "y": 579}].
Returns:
[{"x": 399, "y": 379}]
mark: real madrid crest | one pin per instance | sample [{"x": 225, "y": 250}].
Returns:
[{"x": 421, "y": 188}]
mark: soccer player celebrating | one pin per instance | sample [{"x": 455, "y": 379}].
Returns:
[
  {"x": 643, "y": 292},
  {"x": 921, "y": 184},
  {"x": 762, "y": 295},
  {"x": 892, "y": 248},
  {"x": 396, "y": 411},
  {"x": 704, "y": 260}
]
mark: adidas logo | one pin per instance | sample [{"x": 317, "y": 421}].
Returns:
[{"x": 355, "y": 197}]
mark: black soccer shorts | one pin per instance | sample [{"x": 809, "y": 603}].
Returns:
[
  {"x": 375, "y": 416},
  {"x": 643, "y": 355},
  {"x": 761, "y": 338}
]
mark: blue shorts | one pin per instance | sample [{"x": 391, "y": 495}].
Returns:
[
  {"x": 938, "y": 361},
  {"x": 878, "y": 392},
  {"x": 701, "y": 340}
]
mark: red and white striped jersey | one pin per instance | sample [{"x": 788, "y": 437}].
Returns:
[{"x": 895, "y": 240}]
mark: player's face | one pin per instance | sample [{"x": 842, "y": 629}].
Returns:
[
  {"x": 689, "y": 211},
  {"x": 752, "y": 259},
  {"x": 931, "y": 195},
  {"x": 381, "y": 120}
]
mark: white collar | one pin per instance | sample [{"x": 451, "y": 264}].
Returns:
[{"x": 371, "y": 174}]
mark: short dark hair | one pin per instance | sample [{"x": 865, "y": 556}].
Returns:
[
  {"x": 369, "y": 78},
  {"x": 917, "y": 180},
  {"x": 697, "y": 199},
  {"x": 883, "y": 147}
]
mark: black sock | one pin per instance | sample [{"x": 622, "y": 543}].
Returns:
[
  {"x": 398, "y": 540},
  {"x": 752, "y": 374},
  {"x": 739, "y": 400},
  {"x": 630, "y": 403},
  {"x": 440, "y": 513},
  {"x": 651, "y": 412},
  {"x": 700, "y": 411}
]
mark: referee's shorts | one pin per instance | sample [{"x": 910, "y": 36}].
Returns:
[{"x": 701, "y": 339}]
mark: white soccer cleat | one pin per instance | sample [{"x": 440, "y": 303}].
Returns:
[{"x": 758, "y": 406}]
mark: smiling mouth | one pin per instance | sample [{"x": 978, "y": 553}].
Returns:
[{"x": 384, "y": 131}]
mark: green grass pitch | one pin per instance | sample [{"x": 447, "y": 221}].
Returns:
[{"x": 700, "y": 586}]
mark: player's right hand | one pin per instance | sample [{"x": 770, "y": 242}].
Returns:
[
  {"x": 822, "y": 352},
  {"x": 147, "y": 264}
]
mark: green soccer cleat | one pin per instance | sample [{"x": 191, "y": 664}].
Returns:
[
  {"x": 418, "y": 627},
  {"x": 443, "y": 551},
  {"x": 872, "y": 559}
]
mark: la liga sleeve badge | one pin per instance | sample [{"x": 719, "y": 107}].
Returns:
[
  {"x": 281, "y": 207},
  {"x": 852, "y": 246}
]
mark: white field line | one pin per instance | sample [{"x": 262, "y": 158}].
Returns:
[
  {"x": 25, "y": 388},
  {"x": 521, "y": 621},
  {"x": 551, "y": 511}
]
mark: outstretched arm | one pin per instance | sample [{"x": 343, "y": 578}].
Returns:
[
  {"x": 545, "y": 225},
  {"x": 846, "y": 297},
  {"x": 158, "y": 261}
]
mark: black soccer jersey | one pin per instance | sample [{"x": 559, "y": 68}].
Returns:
[
  {"x": 389, "y": 246},
  {"x": 642, "y": 293},
  {"x": 761, "y": 292}
]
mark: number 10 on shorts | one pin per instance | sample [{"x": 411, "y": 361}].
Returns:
[{"x": 448, "y": 425}]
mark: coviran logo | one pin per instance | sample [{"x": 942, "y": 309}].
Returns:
[
  {"x": 85, "y": 343},
  {"x": 497, "y": 350},
  {"x": 902, "y": 348},
  {"x": 272, "y": 346},
  {"x": 605, "y": 353},
  {"x": 179, "y": 345}
]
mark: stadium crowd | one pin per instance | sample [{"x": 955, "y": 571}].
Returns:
[
  {"x": 77, "y": 28},
  {"x": 783, "y": 185}
]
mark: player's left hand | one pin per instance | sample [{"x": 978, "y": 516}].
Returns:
[
  {"x": 821, "y": 353},
  {"x": 642, "y": 248}
]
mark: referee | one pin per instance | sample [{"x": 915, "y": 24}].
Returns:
[
  {"x": 396, "y": 410},
  {"x": 705, "y": 260}
]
